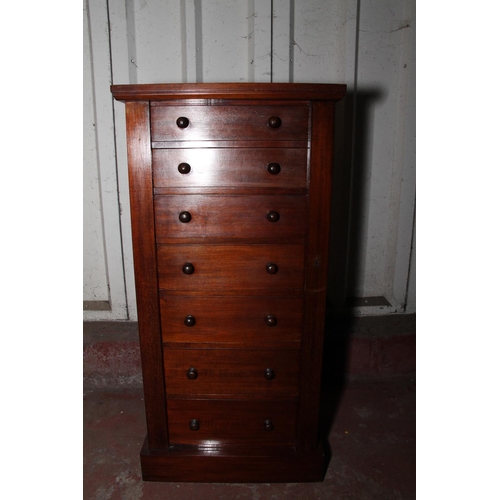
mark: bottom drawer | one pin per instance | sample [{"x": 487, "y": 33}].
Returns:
[{"x": 225, "y": 422}]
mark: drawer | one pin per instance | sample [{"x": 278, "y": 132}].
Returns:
[
  {"x": 231, "y": 167},
  {"x": 263, "y": 321},
  {"x": 229, "y": 123},
  {"x": 262, "y": 217},
  {"x": 225, "y": 422},
  {"x": 231, "y": 269},
  {"x": 261, "y": 373}
]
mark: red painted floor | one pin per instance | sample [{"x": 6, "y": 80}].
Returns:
[{"x": 370, "y": 426}]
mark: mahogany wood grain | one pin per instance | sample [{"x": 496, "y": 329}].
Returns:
[
  {"x": 316, "y": 272},
  {"x": 232, "y": 320},
  {"x": 238, "y": 373},
  {"x": 230, "y": 102},
  {"x": 231, "y": 269},
  {"x": 229, "y": 422},
  {"x": 229, "y": 190},
  {"x": 216, "y": 217},
  {"x": 142, "y": 216},
  {"x": 216, "y": 144},
  {"x": 230, "y": 167},
  {"x": 275, "y": 464},
  {"x": 243, "y": 91},
  {"x": 229, "y": 123}
]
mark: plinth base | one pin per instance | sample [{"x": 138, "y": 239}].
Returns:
[{"x": 232, "y": 465}]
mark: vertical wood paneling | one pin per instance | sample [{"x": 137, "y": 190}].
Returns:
[
  {"x": 131, "y": 44},
  {"x": 225, "y": 41},
  {"x": 251, "y": 45},
  {"x": 261, "y": 41},
  {"x": 405, "y": 168},
  {"x": 105, "y": 151},
  {"x": 282, "y": 36},
  {"x": 381, "y": 125},
  {"x": 94, "y": 256},
  {"x": 191, "y": 30},
  {"x": 312, "y": 41},
  {"x": 198, "y": 40},
  {"x": 318, "y": 32},
  {"x": 120, "y": 65},
  {"x": 411, "y": 291},
  {"x": 158, "y": 41}
]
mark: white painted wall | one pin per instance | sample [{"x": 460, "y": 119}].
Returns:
[
  {"x": 95, "y": 280},
  {"x": 384, "y": 151},
  {"x": 367, "y": 44},
  {"x": 101, "y": 193}
]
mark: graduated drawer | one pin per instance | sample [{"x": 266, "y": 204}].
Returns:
[
  {"x": 229, "y": 123},
  {"x": 225, "y": 422},
  {"x": 261, "y": 373},
  {"x": 262, "y": 217},
  {"x": 230, "y": 167},
  {"x": 261, "y": 321},
  {"x": 231, "y": 269}
]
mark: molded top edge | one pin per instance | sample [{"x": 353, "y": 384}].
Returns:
[{"x": 246, "y": 91}]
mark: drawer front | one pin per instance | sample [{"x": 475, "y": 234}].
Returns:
[
  {"x": 264, "y": 217},
  {"x": 261, "y": 373},
  {"x": 231, "y": 269},
  {"x": 229, "y": 123},
  {"x": 223, "y": 422},
  {"x": 231, "y": 167},
  {"x": 251, "y": 320}
]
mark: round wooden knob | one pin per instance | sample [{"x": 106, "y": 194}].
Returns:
[
  {"x": 194, "y": 425},
  {"x": 269, "y": 374},
  {"x": 184, "y": 168},
  {"x": 273, "y": 216},
  {"x": 271, "y": 268},
  {"x": 189, "y": 320},
  {"x": 192, "y": 374},
  {"x": 188, "y": 268},
  {"x": 271, "y": 321},
  {"x": 274, "y": 122},
  {"x": 274, "y": 168},
  {"x": 268, "y": 425},
  {"x": 184, "y": 217},
  {"x": 182, "y": 122}
]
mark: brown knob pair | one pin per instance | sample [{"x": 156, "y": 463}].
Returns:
[
  {"x": 188, "y": 268},
  {"x": 190, "y": 320},
  {"x": 194, "y": 425},
  {"x": 273, "y": 122},
  {"x": 192, "y": 374}
]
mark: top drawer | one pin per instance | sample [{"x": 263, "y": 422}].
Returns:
[{"x": 229, "y": 123}]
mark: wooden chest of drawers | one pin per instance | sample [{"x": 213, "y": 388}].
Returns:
[{"x": 230, "y": 200}]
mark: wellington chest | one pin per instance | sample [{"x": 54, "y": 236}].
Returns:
[{"x": 230, "y": 189}]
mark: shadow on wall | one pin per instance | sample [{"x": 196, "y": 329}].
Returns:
[
  {"x": 351, "y": 167},
  {"x": 349, "y": 192}
]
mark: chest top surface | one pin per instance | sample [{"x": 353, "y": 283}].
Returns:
[{"x": 245, "y": 91}]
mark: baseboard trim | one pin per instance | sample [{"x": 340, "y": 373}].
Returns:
[{"x": 96, "y": 305}]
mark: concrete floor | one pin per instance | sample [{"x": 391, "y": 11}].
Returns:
[
  {"x": 372, "y": 442},
  {"x": 368, "y": 415}
]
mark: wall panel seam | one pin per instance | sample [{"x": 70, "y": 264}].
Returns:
[{"x": 118, "y": 199}]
